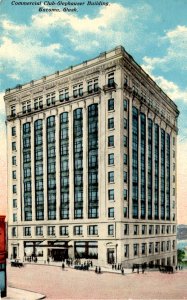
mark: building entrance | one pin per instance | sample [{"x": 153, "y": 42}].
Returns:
[
  {"x": 59, "y": 254},
  {"x": 110, "y": 256}
]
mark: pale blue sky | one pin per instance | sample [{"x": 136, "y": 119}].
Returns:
[{"x": 34, "y": 44}]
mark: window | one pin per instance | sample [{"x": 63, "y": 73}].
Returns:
[
  {"x": 144, "y": 229},
  {"x": 39, "y": 230},
  {"x": 125, "y": 123},
  {"x": 14, "y": 160},
  {"x": 64, "y": 95},
  {"x": 64, "y": 230},
  {"x": 110, "y": 104},
  {"x": 111, "y": 212},
  {"x": 151, "y": 229},
  {"x": 125, "y": 212},
  {"x": 150, "y": 248},
  {"x": 13, "y": 110},
  {"x": 126, "y": 229},
  {"x": 173, "y": 191},
  {"x": 50, "y": 99},
  {"x": 14, "y": 189},
  {"x": 93, "y": 230},
  {"x": 157, "y": 247},
  {"x": 51, "y": 230},
  {"x": 168, "y": 229},
  {"x": 110, "y": 229},
  {"x": 26, "y": 128},
  {"x": 38, "y": 103},
  {"x": 125, "y": 194},
  {"x": 125, "y": 159},
  {"x": 78, "y": 230},
  {"x": 168, "y": 244},
  {"x": 111, "y": 79},
  {"x": 93, "y": 85},
  {"x": 136, "y": 229},
  {"x": 78, "y": 90},
  {"x": 111, "y": 177},
  {"x": 162, "y": 246},
  {"x": 125, "y": 105},
  {"x": 14, "y": 232},
  {"x": 27, "y": 172},
  {"x": 126, "y": 250},
  {"x": 163, "y": 229},
  {"x": 125, "y": 141},
  {"x": 111, "y": 159},
  {"x": 173, "y": 141},
  {"x": 174, "y": 229},
  {"x": 111, "y": 141},
  {"x": 173, "y": 244},
  {"x": 125, "y": 176},
  {"x": 143, "y": 249},
  {"x": 27, "y": 231},
  {"x": 26, "y": 106},
  {"x": 13, "y": 174},
  {"x": 14, "y": 217},
  {"x": 13, "y": 131},
  {"x": 135, "y": 247},
  {"x": 111, "y": 123},
  {"x": 111, "y": 194},
  {"x": 13, "y": 146},
  {"x": 14, "y": 203}
]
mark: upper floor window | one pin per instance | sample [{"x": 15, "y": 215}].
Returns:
[
  {"x": 14, "y": 217},
  {"x": 93, "y": 230},
  {"x": 93, "y": 85},
  {"x": 125, "y": 159},
  {"x": 111, "y": 79},
  {"x": 78, "y": 230},
  {"x": 13, "y": 110},
  {"x": 64, "y": 94},
  {"x": 136, "y": 229},
  {"x": 14, "y": 203},
  {"x": 27, "y": 231},
  {"x": 110, "y": 229},
  {"x": 125, "y": 141},
  {"x": 38, "y": 103},
  {"x": 111, "y": 212},
  {"x": 51, "y": 230},
  {"x": 14, "y": 232},
  {"x": 126, "y": 229},
  {"x": 78, "y": 90},
  {"x": 13, "y": 146},
  {"x": 111, "y": 194},
  {"x": 14, "y": 189},
  {"x": 135, "y": 246},
  {"x": 125, "y": 123},
  {"x": 50, "y": 98},
  {"x": 126, "y": 250},
  {"x": 111, "y": 176},
  {"x": 39, "y": 230},
  {"x": 111, "y": 141},
  {"x": 13, "y": 131},
  {"x": 26, "y": 106},
  {"x": 63, "y": 230},
  {"x": 144, "y": 229},
  {"x": 125, "y": 105},
  {"x": 111, "y": 158},
  {"x": 124, "y": 194},
  {"x": 111, "y": 123},
  {"x": 151, "y": 229},
  {"x": 14, "y": 160},
  {"x": 125, "y": 176},
  {"x": 26, "y": 128},
  {"x": 110, "y": 104}
]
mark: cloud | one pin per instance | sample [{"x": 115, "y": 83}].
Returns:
[{"x": 176, "y": 51}]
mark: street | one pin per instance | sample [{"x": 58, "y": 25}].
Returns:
[{"x": 55, "y": 283}]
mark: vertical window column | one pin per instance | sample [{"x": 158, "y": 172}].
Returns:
[
  {"x": 38, "y": 166},
  {"x": 135, "y": 162},
  {"x": 168, "y": 177},
  {"x": 78, "y": 162},
  {"x": 64, "y": 166},
  {"x": 150, "y": 167},
  {"x": 51, "y": 168},
  {"x": 93, "y": 201},
  {"x": 27, "y": 186},
  {"x": 142, "y": 164},
  {"x": 156, "y": 175},
  {"x": 162, "y": 174}
]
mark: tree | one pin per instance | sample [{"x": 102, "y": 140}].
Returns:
[{"x": 180, "y": 255}]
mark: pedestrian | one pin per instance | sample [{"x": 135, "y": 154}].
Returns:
[
  {"x": 122, "y": 271},
  {"x": 48, "y": 260},
  {"x": 176, "y": 268},
  {"x": 112, "y": 266},
  {"x": 63, "y": 266},
  {"x": 99, "y": 270},
  {"x": 115, "y": 266},
  {"x": 96, "y": 270}
]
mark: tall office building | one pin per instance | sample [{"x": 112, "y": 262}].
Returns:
[{"x": 92, "y": 165}]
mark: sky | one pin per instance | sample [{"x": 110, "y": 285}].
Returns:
[{"x": 35, "y": 43}]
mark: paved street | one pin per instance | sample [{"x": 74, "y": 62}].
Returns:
[{"x": 72, "y": 284}]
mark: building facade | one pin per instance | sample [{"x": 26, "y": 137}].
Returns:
[{"x": 92, "y": 165}]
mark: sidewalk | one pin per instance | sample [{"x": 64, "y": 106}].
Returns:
[{"x": 13, "y": 294}]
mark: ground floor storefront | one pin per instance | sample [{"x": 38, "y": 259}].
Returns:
[{"x": 101, "y": 252}]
